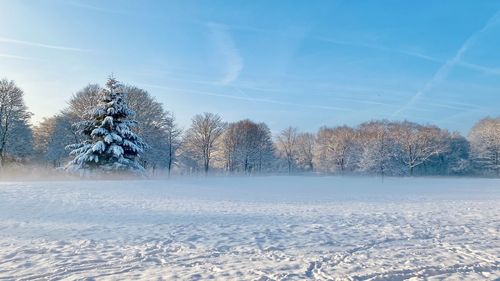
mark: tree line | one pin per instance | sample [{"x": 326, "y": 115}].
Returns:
[{"x": 209, "y": 144}]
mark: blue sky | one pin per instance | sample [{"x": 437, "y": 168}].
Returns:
[{"x": 300, "y": 63}]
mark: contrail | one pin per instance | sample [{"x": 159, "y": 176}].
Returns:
[
  {"x": 16, "y": 57},
  {"x": 40, "y": 45},
  {"x": 443, "y": 71},
  {"x": 85, "y": 5},
  {"x": 413, "y": 54},
  {"x": 325, "y": 107}
]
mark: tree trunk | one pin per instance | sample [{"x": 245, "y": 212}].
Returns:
[
  {"x": 497, "y": 168},
  {"x": 206, "y": 166},
  {"x": 2, "y": 158},
  {"x": 169, "y": 164}
]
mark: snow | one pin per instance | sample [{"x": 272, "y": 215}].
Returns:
[
  {"x": 108, "y": 154},
  {"x": 99, "y": 146},
  {"x": 255, "y": 228}
]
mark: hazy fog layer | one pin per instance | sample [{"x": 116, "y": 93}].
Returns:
[{"x": 256, "y": 228}]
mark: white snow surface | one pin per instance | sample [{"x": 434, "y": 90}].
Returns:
[{"x": 254, "y": 228}]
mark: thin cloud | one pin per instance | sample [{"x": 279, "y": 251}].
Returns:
[
  {"x": 480, "y": 68},
  {"x": 463, "y": 115},
  {"x": 172, "y": 76},
  {"x": 378, "y": 47},
  {"x": 443, "y": 71},
  {"x": 244, "y": 94},
  {"x": 225, "y": 44},
  {"x": 7, "y": 56},
  {"x": 40, "y": 45},
  {"x": 96, "y": 8},
  {"x": 410, "y": 53},
  {"x": 335, "y": 41},
  {"x": 204, "y": 93},
  {"x": 476, "y": 67},
  {"x": 332, "y": 93}
]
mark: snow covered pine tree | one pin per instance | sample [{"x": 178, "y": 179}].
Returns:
[{"x": 109, "y": 145}]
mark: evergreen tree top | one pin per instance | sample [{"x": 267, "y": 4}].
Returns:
[
  {"x": 112, "y": 83},
  {"x": 109, "y": 143}
]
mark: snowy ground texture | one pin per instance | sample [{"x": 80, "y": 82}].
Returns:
[{"x": 262, "y": 228}]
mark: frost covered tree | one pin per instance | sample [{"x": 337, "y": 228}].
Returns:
[
  {"x": 230, "y": 144},
  {"x": 201, "y": 139},
  {"x": 157, "y": 128},
  {"x": 173, "y": 140},
  {"x": 417, "y": 144},
  {"x": 246, "y": 147},
  {"x": 336, "y": 149},
  {"x": 156, "y": 125},
  {"x": 82, "y": 101},
  {"x": 52, "y": 135},
  {"x": 485, "y": 145},
  {"x": 377, "y": 149},
  {"x": 265, "y": 153},
  {"x": 286, "y": 144},
  {"x": 19, "y": 147},
  {"x": 42, "y": 134},
  {"x": 16, "y": 136},
  {"x": 109, "y": 144},
  {"x": 306, "y": 145},
  {"x": 456, "y": 161}
]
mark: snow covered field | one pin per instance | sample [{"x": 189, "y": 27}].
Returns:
[{"x": 261, "y": 228}]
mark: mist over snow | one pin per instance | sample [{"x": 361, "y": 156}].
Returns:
[{"x": 258, "y": 228}]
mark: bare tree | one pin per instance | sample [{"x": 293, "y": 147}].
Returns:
[
  {"x": 377, "y": 148},
  {"x": 173, "y": 135},
  {"x": 336, "y": 149},
  {"x": 15, "y": 132},
  {"x": 485, "y": 145},
  {"x": 286, "y": 143},
  {"x": 42, "y": 134},
  {"x": 457, "y": 160},
  {"x": 81, "y": 102},
  {"x": 201, "y": 138},
  {"x": 306, "y": 145},
  {"x": 230, "y": 143},
  {"x": 157, "y": 128},
  {"x": 265, "y": 153},
  {"x": 418, "y": 143},
  {"x": 52, "y": 135},
  {"x": 246, "y": 146}
]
